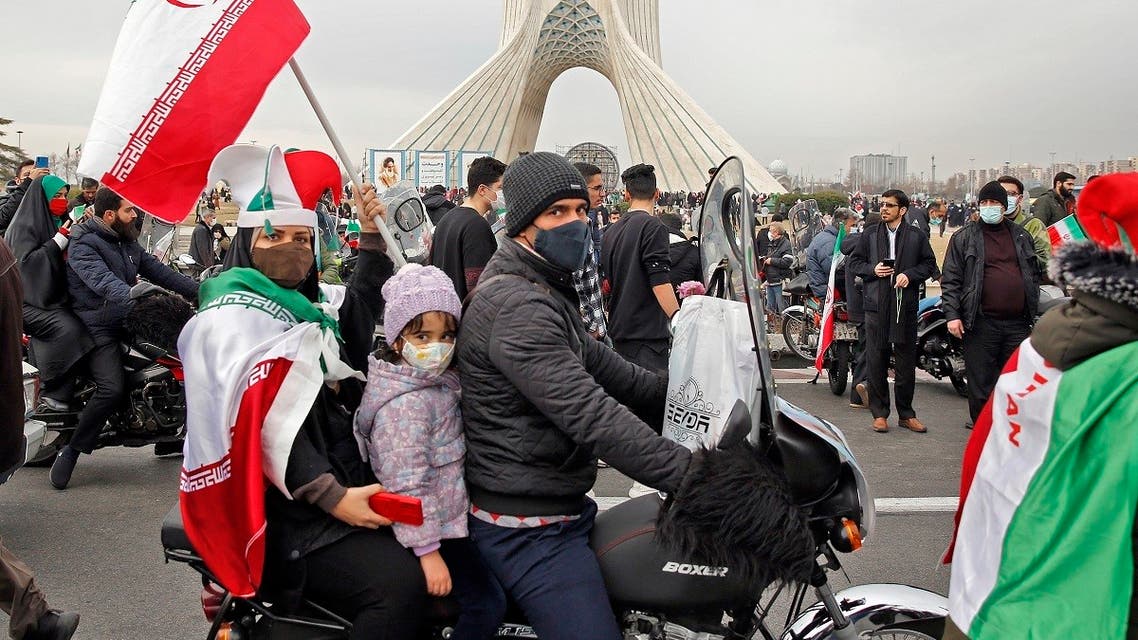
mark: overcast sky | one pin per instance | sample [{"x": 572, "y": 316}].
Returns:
[{"x": 808, "y": 82}]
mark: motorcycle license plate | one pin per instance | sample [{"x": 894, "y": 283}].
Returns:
[{"x": 845, "y": 331}]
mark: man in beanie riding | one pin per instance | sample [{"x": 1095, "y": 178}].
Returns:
[
  {"x": 990, "y": 292},
  {"x": 541, "y": 400}
]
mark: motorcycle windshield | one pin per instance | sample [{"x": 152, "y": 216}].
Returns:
[
  {"x": 805, "y": 222},
  {"x": 408, "y": 222},
  {"x": 727, "y": 247}
]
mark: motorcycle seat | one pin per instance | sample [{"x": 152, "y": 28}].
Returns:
[
  {"x": 1047, "y": 304},
  {"x": 799, "y": 285},
  {"x": 927, "y": 303},
  {"x": 174, "y": 533}
]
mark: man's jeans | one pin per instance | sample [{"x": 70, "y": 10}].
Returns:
[{"x": 553, "y": 575}]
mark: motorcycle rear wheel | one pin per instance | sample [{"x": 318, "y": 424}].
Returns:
[
  {"x": 838, "y": 371},
  {"x": 797, "y": 331},
  {"x": 960, "y": 383}
]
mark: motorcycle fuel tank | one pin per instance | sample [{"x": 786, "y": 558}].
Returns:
[{"x": 642, "y": 575}]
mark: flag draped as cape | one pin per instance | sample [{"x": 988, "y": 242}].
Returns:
[
  {"x": 1043, "y": 545},
  {"x": 255, "y": 356}
]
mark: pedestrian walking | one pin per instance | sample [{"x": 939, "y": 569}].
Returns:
[{"x": 1059, "y": 202}]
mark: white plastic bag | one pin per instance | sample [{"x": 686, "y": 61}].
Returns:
[{"x": 712, "y": 365}]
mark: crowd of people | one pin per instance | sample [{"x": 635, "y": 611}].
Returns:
[{"x": 534, "y": 341}]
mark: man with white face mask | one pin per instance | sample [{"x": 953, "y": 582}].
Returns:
[{"x": 990, "y": 292}]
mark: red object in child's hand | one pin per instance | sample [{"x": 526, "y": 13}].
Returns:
[{"x": 397, "y": 508}]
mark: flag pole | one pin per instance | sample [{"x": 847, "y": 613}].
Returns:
[{"x": 392, "y": 246}]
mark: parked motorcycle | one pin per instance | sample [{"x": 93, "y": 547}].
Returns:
[
  {"x": 154, "y": 411},
  {"x": 802, "y": 330},
  {"x": 941, "y": 354}
]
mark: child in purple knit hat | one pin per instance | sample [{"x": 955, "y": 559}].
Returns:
[{"x": 410, "y": 428}]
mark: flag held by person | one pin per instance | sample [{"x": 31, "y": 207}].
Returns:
[
  {"x": 1066, "y": 230},
  {"x": 827, "y": 336},
  {"x": 184, "y": 79}
]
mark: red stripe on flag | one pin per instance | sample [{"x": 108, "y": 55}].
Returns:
[
  {"x": 980, "y": 431},
  {"x": 225, "y": 521},
  {"x": 164, "y": 167}
]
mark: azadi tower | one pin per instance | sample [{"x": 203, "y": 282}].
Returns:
[{"x": 499, "y": 107}]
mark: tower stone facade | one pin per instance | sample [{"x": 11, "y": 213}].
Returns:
[{"x": 500, "y": 106}]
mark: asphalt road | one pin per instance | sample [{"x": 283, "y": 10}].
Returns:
[{"x": 95, "y": 547}]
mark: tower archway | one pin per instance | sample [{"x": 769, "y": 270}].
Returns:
[{"x": 499, "y": 107}]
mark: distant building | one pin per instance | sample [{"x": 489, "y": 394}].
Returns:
[{"x": 877, "y": 171}]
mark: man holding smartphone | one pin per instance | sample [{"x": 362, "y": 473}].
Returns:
[
  {"x": 25, "y": 175},
  {"x": 893, "y": 260}
]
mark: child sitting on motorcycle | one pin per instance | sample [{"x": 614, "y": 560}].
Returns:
[{"x": 410, "y": 424}]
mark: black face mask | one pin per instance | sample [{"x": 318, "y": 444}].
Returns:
[{"x": 565, "y": 246}]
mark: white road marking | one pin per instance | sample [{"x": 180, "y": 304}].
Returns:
[{"x": 944, "y": 504}]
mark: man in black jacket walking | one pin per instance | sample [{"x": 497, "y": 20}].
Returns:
[
  {"x": 990, "y": 291},
  {"x": 103, "y": 262},
  {"x": 541, "y": 400},
  {"x": 893, "y": 260}
]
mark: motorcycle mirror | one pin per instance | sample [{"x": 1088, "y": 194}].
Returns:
[{"x": 738, "y": 426}]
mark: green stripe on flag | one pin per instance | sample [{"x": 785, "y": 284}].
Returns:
[{"x": 1066, "y": 569}]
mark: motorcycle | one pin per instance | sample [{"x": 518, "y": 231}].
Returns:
[
  {"x": 154, "y": 409},
  {"x": 657, "y": 590},
  {"x": 802, "y": 330},
  {"x": 941, "y": 354}
]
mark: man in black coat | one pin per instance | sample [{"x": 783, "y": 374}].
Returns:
[
  {"x": 201, "y": 242},
  {"x": 683, "y": 252},
  {"x": 25, "y": 174},
  {"x": 436, "y": 203},
  {"x": 103, "y": 262},
  {"x": 893, "y": 259},
  {"x": 541, "y": 401},
  {"x": 855, "y": 307},
  {"x": 990, "y": 292}
]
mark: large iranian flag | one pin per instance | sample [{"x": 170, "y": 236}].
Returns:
[
  {"x": 184, "y": 79},
  {"x": 1043, "y": 545}
]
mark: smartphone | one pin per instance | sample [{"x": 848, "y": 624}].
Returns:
[
  {"x": 888, "y": 262},
  {"x": 397, "y": 508},
  {"x": 41, "y": 162}
]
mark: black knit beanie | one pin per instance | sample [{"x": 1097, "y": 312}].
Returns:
[
  {"x": 535, "y": 181},
  {"x": 993, "y": 191}
]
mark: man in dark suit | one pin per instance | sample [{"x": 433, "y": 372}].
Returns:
[{"x": 893, "y": 260}]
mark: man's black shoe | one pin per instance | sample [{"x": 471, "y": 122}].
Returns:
[
  {"x": 63, "y": 467},
  {"x": 968, "y": 425},
  {"x": 55, "y": 625}
]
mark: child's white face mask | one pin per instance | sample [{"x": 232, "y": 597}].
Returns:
[{"x": 434, "y": 357}]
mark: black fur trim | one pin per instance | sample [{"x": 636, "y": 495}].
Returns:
[
  {"x": 159, "y": 319},
  {"x": 734, "y": 509},
  {"x": 1108, "y": 273}
]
